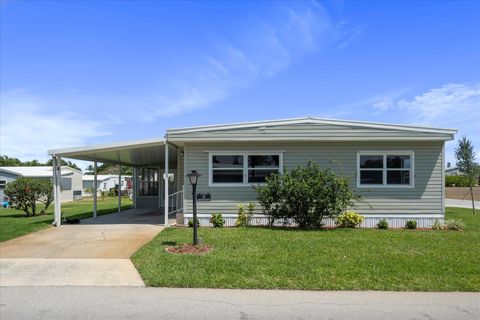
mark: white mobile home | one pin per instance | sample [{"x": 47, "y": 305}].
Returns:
[
  {"x": 105, "y": 182},
  {"x": 397, "y": 169},
  {"x": 71, "y": 180}
]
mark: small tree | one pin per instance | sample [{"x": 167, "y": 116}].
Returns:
[
  {"x": 466, "y": 164},
  {"x": 306, "y": 195},
  {"x": 26, "y": 192}
]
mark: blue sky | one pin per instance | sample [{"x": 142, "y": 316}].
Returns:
[{"x": 85, "y": 72}]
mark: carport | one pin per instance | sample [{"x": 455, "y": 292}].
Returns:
[{"x": 148, "y": 159}]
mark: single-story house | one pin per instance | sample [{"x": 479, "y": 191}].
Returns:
[
  {"x": 452, "y": 172},
  {"x": 71, "y": 181},
  {"x": 397, "y": 169},
  {"x": 105, "y": 182}
]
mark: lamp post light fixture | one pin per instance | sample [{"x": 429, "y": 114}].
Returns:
[{"x": 193, "y": 177}]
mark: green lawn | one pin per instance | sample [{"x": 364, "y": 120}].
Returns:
[
  {"x": 340, "y": 259},
  {"x": 14, "y": 223}
]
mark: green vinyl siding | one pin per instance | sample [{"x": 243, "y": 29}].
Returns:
[{"x": 424, "y": 198}]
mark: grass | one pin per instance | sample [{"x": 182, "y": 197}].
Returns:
[
  {"x": 339, "y": 259},
  {"x": 14, "y": 223}
]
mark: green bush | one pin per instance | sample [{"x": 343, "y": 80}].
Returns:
[
  {"x": 452, "y": 224},
  {"x": 306, "y": 195},
  {"x": 382, "y": 224},
  {"x": 190, "y": 223},
  {"x": 217, "y": 220},
  {"x": 456, "y": 181},
  {"x": 349, "y": 219},
  {"x": 244, "y": 216},
  {"x": 24, "y": 193},
  {"x": 411, "y": 224}
]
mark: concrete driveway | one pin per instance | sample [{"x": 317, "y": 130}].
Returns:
[
  {"x": 94, "y": 252},
  {"x": 461, "y": 203}
]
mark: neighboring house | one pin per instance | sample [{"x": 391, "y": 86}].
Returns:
[
  {"x": 71, "y": 182},
  {"x": 452, "y": 172},
  {"x": 397, "y": 169},
  {"x": 106, "y": 182}
]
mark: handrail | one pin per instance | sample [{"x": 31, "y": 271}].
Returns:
[{"x": 176, "y": 204}]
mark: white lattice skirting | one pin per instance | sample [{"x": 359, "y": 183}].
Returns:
[{"x": 371, "y": 220}]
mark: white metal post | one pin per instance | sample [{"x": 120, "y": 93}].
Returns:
[
  {"x": 95, "y": 189},
  {"x": 119, "y": 188},
  {"x": 134, "y": 187},
  {"x": 166, "y": 184},
  {"x": 57, "y": 197}
]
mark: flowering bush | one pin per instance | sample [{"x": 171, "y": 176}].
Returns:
[{"x": 349, "y": 219}]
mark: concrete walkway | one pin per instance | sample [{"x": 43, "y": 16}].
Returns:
[
  {"x": 94, "y": 252},
  {"x": 461, "y": 203},
  {"x": 166, "y": 303}
]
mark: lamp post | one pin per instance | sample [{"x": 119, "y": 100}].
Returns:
[{"x": 193, "y": 177}]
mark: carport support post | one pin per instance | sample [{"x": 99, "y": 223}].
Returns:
[
  {"x": 165, "y": 177},
  {"x": 95, "y": 189},
  {"x": 57, "y": 198},
  {"x": 119, "y": 188}
]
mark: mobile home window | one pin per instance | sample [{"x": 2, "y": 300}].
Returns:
[
  {"x": 242, "y": 169},
  {"x": 227, "y": 168},
  {"x": 261, "y": 166},
  {"x": 385, "y": 169}
]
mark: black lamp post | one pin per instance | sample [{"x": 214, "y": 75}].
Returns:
[{"x": 193, "y": 177}]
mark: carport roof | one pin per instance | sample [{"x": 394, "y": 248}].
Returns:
[{"x": 130, "y": 153}]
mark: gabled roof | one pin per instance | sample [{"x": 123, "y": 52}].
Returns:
[
  {"x": 37, "y": 171},
  {"x": 308, "y": 128}
]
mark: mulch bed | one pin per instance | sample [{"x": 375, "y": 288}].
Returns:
[{"x": 188, "y": 248}]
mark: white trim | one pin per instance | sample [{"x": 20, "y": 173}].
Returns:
[
  {"x": 312, "y": 120},
  {"x": 366, "y": 215},
  {"x": 443, "y": 177},
  {"x": 384, "y": 169},
  {"x": 245, "y": 168}
]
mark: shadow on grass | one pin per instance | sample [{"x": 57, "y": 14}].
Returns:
[{"x": 169, "y": 243}]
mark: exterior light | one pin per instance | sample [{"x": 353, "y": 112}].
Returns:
[{"x": 193, "y": 177}]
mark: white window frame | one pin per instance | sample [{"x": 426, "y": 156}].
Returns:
[
  {"x": 245, "y": 169},
  {"x": 384, "y": 169}
]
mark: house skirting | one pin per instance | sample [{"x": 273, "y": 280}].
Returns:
[{"x": 370, "y": 221}]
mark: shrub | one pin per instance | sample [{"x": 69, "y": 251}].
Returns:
[
  {"x": 306, "y": 195},
  {"x": 190, "y": 223},
  {"x": 217, "y": 220},
  {"x": 24, "y": 193},
  {"x": 244, "y": 217},
  {"x": 411, "y": 224},
  {"x": 382, "y": 224},
  {"x": 452, "y": 224},
  {"x": 349, "y": 219},
  {"x": 437, "y": 225},
  {"x": 456, "y": 181}
]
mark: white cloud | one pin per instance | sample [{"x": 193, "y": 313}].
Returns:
[
  {"x": 266, "y": 48},
  {"x": 450, "y": 106},
  {"x": 29, "y": 127}
]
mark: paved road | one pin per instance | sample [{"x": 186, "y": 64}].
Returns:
[
  {"x": 94, "y": 252},
  {"x": 166, "y": 303},
  {"x": 461, "y": 203}
]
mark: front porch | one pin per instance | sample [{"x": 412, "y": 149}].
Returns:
[{"x": 157, "y": 175}]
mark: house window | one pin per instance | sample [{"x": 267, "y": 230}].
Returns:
[
  {"x": 3, "y": 183},
  {"x": 261, "y": 166},
  {"x": 227, "y": 168},
  {"x": 242, "y": 168},
  {"x": 148, "y": 182},
  {"x": 391, "y": 169}
]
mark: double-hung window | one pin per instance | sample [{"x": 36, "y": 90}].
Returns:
[
  {"x": 243, "y": 168},
  {"x": 385, "y": 169}
]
